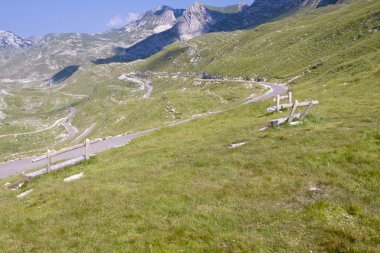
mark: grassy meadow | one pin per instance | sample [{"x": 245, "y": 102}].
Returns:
[{"x": 311, "y": 188}]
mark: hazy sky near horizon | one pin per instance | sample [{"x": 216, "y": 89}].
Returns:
[{"x": 40, "y": 17}]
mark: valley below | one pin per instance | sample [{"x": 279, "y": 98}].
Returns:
[{"x": 183, "y": 85}]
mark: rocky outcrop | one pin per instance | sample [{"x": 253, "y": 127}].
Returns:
[
  {"x": 194, "y": 21},
  {"x": 197, "y": 20},
  {"x": 158, "y": 20},
  {"x": 11, "y": 40}
]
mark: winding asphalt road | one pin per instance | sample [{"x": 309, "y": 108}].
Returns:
[
  {"x": 23, "y": 165},
  {"x": 66, "y": 123}
]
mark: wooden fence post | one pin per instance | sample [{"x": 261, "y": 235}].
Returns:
[
  {"x": 49, "y": 160},
  {"x": 306, "y": 112},
  {"x": 291, "y": 116},
  {"x": 87, "y": 149},
  {"x": 278, "y": 103}
]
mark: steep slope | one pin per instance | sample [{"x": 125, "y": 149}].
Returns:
[
  {"x": 11, "y": 40},
  {"x": 199, "y": 19},
  {"x": 262, "y": 11},
  {"x": 194, "y": 21},
  {"x": 267, "y": 49},
  {"x": 158, "y": 20},
  {"x": 312, "y": 188}
]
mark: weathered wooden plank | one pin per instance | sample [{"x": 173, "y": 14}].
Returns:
[
  {"x": 286, "y": 106},
  {"x": 306, "y": 112},
  {"x": 296, "y": 123},
  {"x": 65, "y": 150},
  {"x": 280, "y": 121},
  {"x": 281, "y": 98},
  {"x": 87, "y": 151},
  {"x": 48, "y": 154},
  {"x": 292, "y": 114},
  {"x": 59, "y": 152},
  {"x": 301, "y": 104},
  {"x": 30, "y": 176},
  {"x": 277, "y": 122}
]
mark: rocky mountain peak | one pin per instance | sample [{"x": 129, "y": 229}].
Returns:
[
  {"x": 196, "y": 20},
  {"x": 243, "y": 5},
  {"x": 159, "y": 19},
  {"x": 196, "y": 8},
  {"x": 11, "y": 40},
  {"x": 161, "y": 9}
]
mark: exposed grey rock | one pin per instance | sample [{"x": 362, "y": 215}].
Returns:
[
  {"x": 196, "y": 20},
  {"x": 11, "y": 40},
  {"x": 155, "y": 20}
]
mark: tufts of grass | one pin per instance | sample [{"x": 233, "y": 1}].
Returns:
[{"x": 312, "y": 188}]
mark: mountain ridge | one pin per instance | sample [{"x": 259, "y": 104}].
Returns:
[
  {"x": 11, "y": 40},
  {"x": 199, "y": 19},
  {"x": 139, "y": 39},
  {"x": 55, "y": 52}
]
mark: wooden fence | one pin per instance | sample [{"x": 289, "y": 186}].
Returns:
[
  {"x": 279, "y": 98},
  {"x": 51, "y": 154},
  {"x": 293, "y": 106}
]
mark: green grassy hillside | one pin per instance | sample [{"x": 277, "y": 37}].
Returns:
[
  {"x": 31, "y": 110},
  {"x": 313, "y": 42},
  {"x": 312, "y": 188},
  {"x": 117, "y": 106},
  {"x": 110, "y": 106}
]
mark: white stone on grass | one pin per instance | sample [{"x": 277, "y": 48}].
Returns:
[
  {"x": 313, "y": 188},
  {"x": 74, "y": 177},
  {"x": 236, "y": 145},
  {"x": 24, "y": 194}
]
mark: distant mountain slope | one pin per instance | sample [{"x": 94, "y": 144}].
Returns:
[
  {"x": 11, "y": 40},
  {"x": 196, "y": 20},
  {"x": 262, "y": 11},
  {"x": 139, "y": 39},
  {"x": 199, "y": 19},
  {"x": 281, "y": 49},
  {"x": 52, "y": 54}
]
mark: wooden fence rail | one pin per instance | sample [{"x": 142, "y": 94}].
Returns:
[
  {"x": 288, "y": 106},
  {"x": 289, "y": 119},
  {"x": 50, "y": 154},
  {"x": 279, "y": 98}
]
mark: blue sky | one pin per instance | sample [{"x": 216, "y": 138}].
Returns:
[{"x": 39, "y": 17}]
